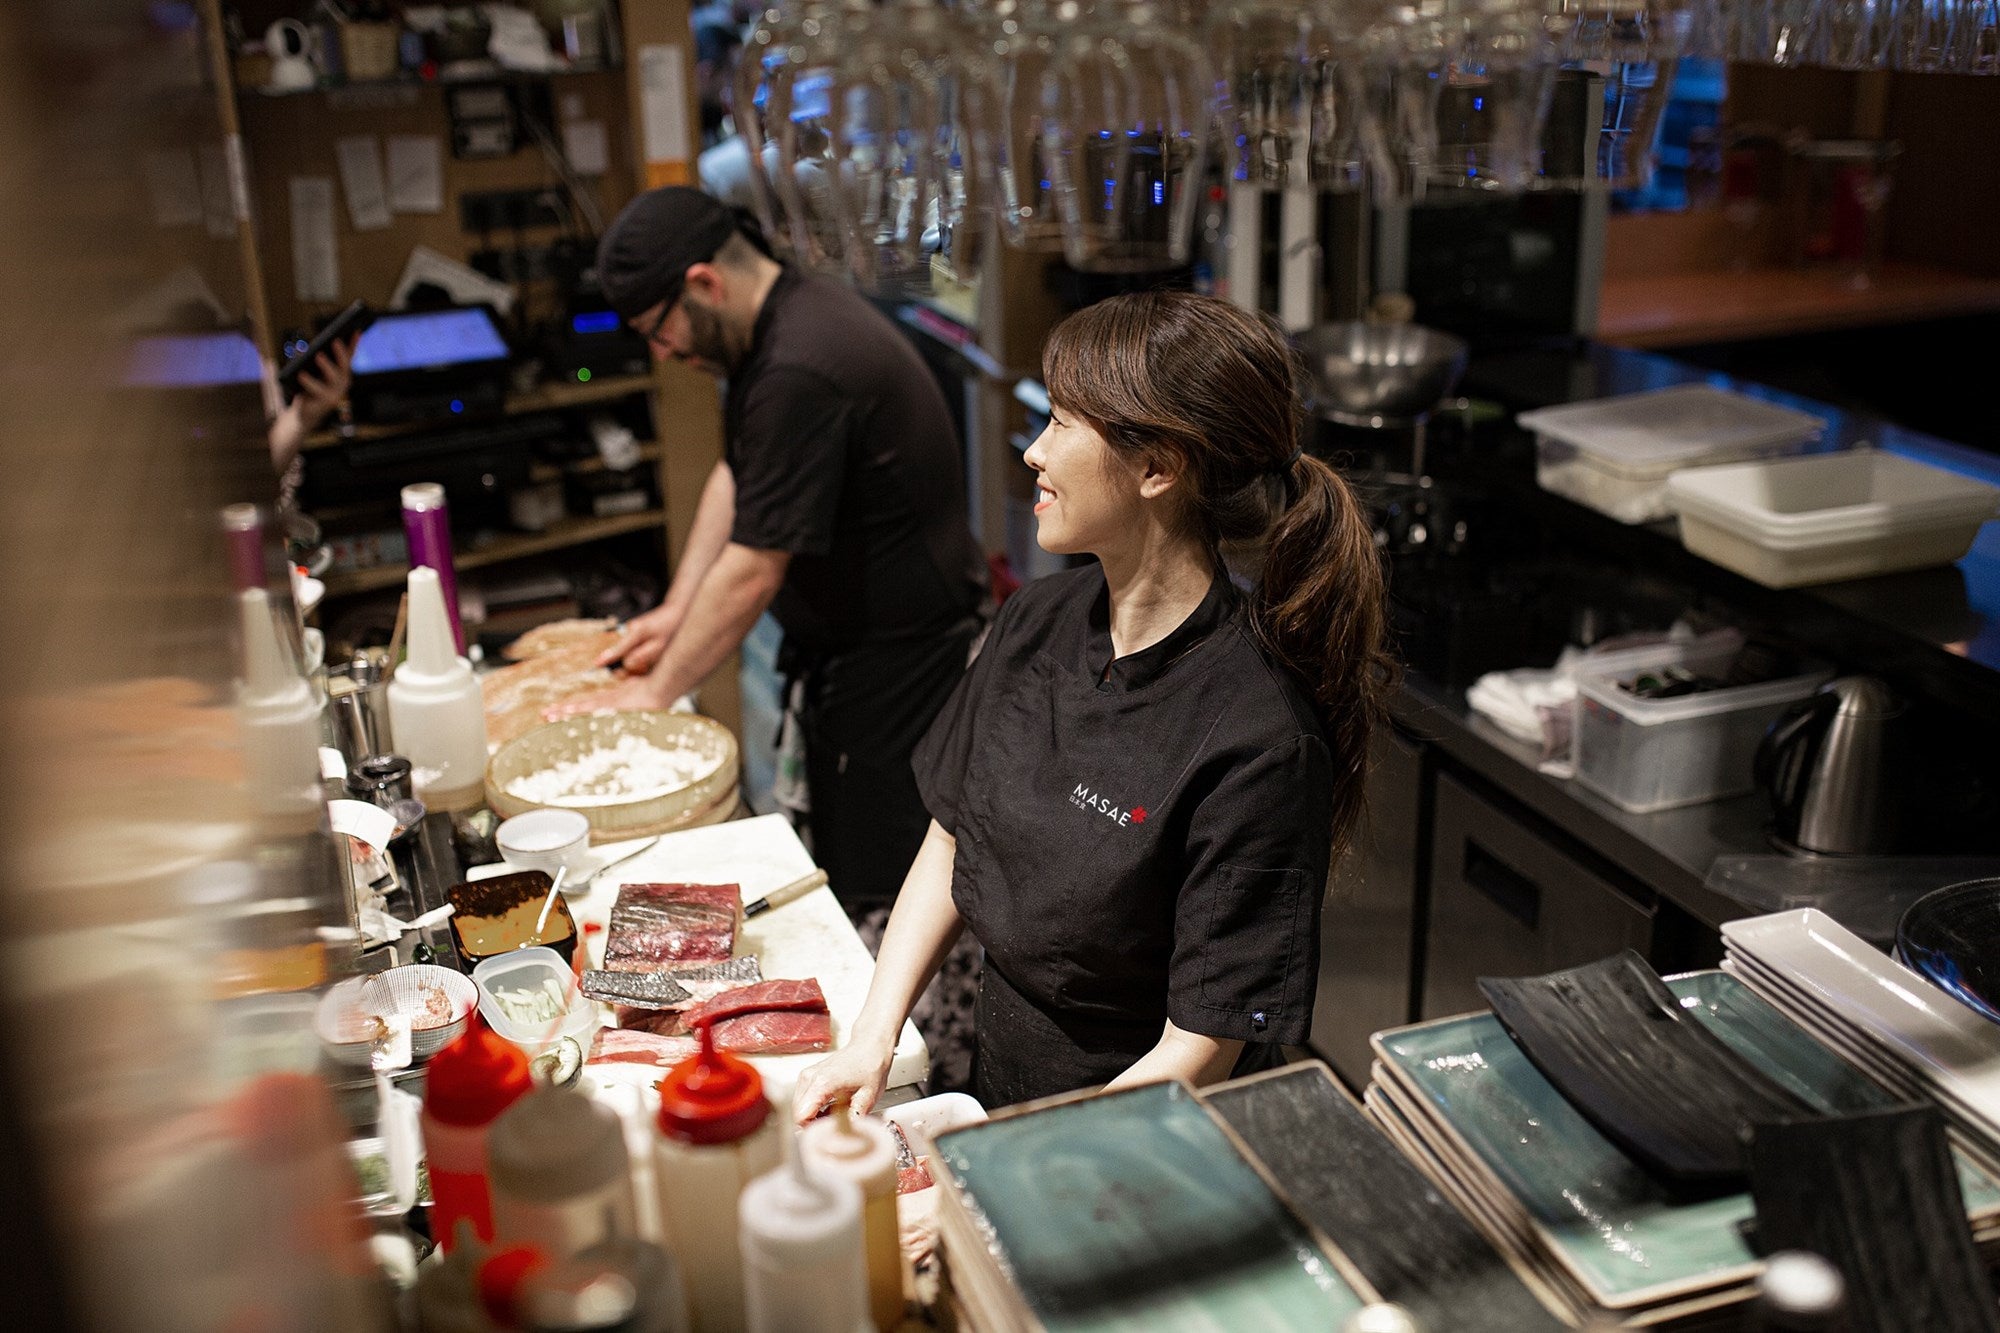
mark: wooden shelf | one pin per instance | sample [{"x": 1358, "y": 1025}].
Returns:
[
  {"x": 497, "y": 74},
  {"x": 511, "y": 546},
  {"x": 648, "y": 453},
  {"x": 1679, "y": 309},
  {"x": 541, "y": 398}
]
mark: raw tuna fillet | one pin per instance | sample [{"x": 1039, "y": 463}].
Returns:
[
  {"x": 656, "y": 924},
  {"x": 774, "y": 1033},
  {"x": 765, "y": 995},
  {"x": 623, "y": 1046}
]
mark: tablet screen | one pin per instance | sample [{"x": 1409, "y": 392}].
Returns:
[
  {"x": 426, "y": 339},
  {"x": 192, "y": 361}
]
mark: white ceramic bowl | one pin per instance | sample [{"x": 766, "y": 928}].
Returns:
[
  {"x": 400, "y": 990},
  {"x": 546, "y": 840}
]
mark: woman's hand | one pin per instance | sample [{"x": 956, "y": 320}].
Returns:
[
  {"x": 642, "y": 640},
  {"x": 855, "y": 1074}
]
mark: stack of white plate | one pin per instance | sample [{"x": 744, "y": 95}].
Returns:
[{"x": 1889, "y": 1022}]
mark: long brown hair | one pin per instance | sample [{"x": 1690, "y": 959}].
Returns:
[{"x": 1210, "y": 391}]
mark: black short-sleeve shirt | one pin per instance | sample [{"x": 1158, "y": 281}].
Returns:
[
  {"x": 844, "y": 455},
  {"x": 1143, "y": 843}
]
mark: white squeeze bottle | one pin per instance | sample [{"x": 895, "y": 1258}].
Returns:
[
  {"x": 804, "y": 1261},
  {"x": 435, "y": 710},
  {"x": 277, "y": 715},
  {"x": 863, "y": 1152},
  {"x": 716, "y": 1135}
]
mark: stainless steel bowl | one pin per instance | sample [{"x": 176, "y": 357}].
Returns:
[{"x": 1380, "y": 374}]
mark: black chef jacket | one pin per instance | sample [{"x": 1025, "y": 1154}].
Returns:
[
  {"x": 1134, "y": 845},
  {"x": 844, "y": 455}
]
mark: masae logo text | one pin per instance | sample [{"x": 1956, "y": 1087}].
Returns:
[{"x": 1083, "y": 798}]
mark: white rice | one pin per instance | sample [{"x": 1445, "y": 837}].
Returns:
[{"x": 631, "y": 769}]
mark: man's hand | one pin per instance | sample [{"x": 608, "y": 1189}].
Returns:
[
  {"x": 633, "y": 695},
  {"x": 326, "y": 382},
  {"x": 643, "y": 640}
]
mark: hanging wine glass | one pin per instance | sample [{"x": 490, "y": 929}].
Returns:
[
  {"x": 1290, "y": 113},
  {"x": 763, "y": 60},
  {"x": 1135, "y": 97},
  {"x": 800, "y": 112},
  {"x": 904, "y": 168},
  {"x": 1405, "y": 55},
  {"x": 1494, "y": 100},
  {"x": 1633, "y": 47},
  {"x": 1016, "y": 121}
]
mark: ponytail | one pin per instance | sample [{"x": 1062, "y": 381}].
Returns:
[{"x": 1320, "y": 608}]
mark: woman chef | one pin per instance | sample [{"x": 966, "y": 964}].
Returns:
[{"x": 1137, "y": 788}]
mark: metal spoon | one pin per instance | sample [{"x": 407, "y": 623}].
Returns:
[{"x": 555, "y": 887}]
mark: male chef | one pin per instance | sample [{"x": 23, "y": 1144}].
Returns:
[{"x": 839, "y": 504}]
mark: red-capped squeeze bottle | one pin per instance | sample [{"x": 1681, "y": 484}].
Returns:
[
  {"x": 717, "y": 1133},
  {"x": 470, "y": 1082}
]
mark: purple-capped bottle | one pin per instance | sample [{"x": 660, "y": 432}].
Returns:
[
  {"x": 243, "y": 542},
  {"x": 427, "y": 525}
]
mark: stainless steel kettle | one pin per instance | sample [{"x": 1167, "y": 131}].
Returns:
[{"x": 1828, "y": 765}]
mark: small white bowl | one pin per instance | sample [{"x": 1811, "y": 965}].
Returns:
[
  {"x": 396, "y": 991},
  {"x": 545, "y": 840}
]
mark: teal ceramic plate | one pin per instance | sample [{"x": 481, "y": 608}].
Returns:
[
  {"x": 1600, "y": 1215},
  {"x": 1136, "y": 1211}
]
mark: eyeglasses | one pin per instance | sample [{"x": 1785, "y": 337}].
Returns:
[{"x": 652, "y": 334}]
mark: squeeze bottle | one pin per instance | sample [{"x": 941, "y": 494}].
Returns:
[
  {"x": 863, "y": 1152},
  {"x": 561, "y": 1179},
  {"x": 427, "y": 529},
  {"x": 715, "y": 1135},
  {"x": 277, "y": 714},
  {"x": 804, "y": 1261},
  {"x": 470, "y": 1082},
  {"x": 435, "y": 709}
]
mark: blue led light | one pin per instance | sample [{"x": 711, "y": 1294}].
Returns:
[
  {"x": 458, "y": 405},
  {"x": 1159, "y": 192},
  {"x": 1478, "y": 104},
  {"x": 595, "y": 321}
]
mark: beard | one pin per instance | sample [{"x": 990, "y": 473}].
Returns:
[{"x": 709, "y": 340}]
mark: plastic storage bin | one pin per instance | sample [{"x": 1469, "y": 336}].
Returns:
[
  {"x": 1655, "y": 754},
  {"x": 1615, "y": 454},
  {"x": 1831, "y": 516}
]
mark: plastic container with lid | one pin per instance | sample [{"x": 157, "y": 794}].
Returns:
[
  {"x": 470, "y": 1082},
  {"x": 863, "y": 1152},
  {"x": 715, "y": 1134},
  {"x": 435, "y": 708},
  {"x": 532, "y": 969},
  {"x": 1832, "y": 516},
  {"x": 561, "y": 1179},
  {"x": 1615, "y": 454},
  {"x": 1654, "y": 754}
]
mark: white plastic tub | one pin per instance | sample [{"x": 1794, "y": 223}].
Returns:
[
  {"x": 1829, "y": 517},
  {"x": 526, "y": 969},
  {"x": 1655, "y": 754},
  {"x": 1615, "y": 454}
]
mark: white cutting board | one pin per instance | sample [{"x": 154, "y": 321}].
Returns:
[{"x": 808, "y": 937}]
